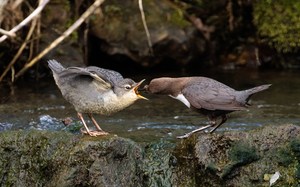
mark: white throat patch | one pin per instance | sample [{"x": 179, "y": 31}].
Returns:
[{"x": 181, "y": 98}]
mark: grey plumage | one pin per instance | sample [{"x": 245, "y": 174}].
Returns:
[
  {"x": 207, "y": 96},
  {"x": 94, "y": 90}
]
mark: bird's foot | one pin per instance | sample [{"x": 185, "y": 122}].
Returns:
[
  {"x": 184, "y": 136},
  {"x": 94, "y": 133},
  {"x": 194, "y": 131}
]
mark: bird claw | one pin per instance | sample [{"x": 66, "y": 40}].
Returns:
[
  {"x": 94, "y": 133},
  {"x": 184, "y": 136},
  {"x": 194, "y": 131}
]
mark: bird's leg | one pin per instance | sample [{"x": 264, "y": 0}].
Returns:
[
  {"x": 84, "y": 124},
  {"x": 224, "y": 118},
  {"x": 99, "y": 130},
  {"x": 95, "y": 122},
  {"x": 192, "y": 132},
  {"x": 89, "y": 132}
]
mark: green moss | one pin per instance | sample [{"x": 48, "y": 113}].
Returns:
[
  {"x": 297, "y": 173},
  {"x": 36, "y": 155},
  {"x": 186, "y": 163},
  {"x": 284, "y": 157},
  {"x": 158, "y": 164},
  {"x": 212, "y": 167},
  {"x": 278, "y": 22},
  {"x": 295, "y": 146},
  {"x": 177, "y": 18},
  {"x": 240, "y": 154}
]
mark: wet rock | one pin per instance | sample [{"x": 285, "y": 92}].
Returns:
[
  {"x": 158, "y": 164},
  {"x": 47, "y": 158},
  {"x": 5, "y": 126},
  {"x": 240, "y": 158},
  {"x": 43, "y": 158},
  {"x": 118, "y": 30}
]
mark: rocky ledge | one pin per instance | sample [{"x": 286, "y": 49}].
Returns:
[
  {"x": 241, "y": 158},
  {"x": 43, "y": 158}
]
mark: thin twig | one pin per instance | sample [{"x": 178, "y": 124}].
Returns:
[
  {"x": 13, "y": 61},
  {"x": 145, "y": 27},
  {"x": 75, "y": 25},
  {"x": 12, "y": 74},
  {"x": 26, "y": 20},
  {"x": 8, "y": 33}
]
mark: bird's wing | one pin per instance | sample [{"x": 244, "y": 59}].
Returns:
[
  {"x": 211, "y": 97},
  {"x": 110, "y": 76},
  {"x": 78, "y": 74}
]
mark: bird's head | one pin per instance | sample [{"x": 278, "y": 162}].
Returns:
[
  {"x": 159, "y": 86},
  {"x": 128, "y": 90}
]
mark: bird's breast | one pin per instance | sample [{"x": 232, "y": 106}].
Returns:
[{"x": 181, "y": 98}]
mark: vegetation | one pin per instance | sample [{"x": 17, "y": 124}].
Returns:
[
  {"x": 186, "y": 33},
  {"x": 278, "y": 23}
]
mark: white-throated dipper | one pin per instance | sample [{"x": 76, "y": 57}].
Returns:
[
  {"x": 94, "y": 90},
  {"x": 205, "y": 95}
]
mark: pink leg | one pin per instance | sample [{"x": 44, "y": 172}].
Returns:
[
  {"x": 95, "y": 122},
  {"x": 84, "y": 124},
  {"x": 99, "y": 131}
]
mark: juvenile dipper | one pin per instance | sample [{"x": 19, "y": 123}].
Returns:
[
  {"x": 94, "y": 90},
  {"x": 205, "y": 95}
]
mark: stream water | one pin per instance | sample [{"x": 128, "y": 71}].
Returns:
[{"x": 39, "y": 105}]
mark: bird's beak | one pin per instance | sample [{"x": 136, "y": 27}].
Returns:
[{"x": 136, "y": 87}]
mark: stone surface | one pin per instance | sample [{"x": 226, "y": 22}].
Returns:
[
  {"x": 41, "y": 158},
  {"x": 118, "y": 30},
  {"x": 241, "y": 158},
  {"x": 46, "y": 158}
]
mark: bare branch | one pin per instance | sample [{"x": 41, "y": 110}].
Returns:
[
  {"x": 13, "y": 61},
  {"x": 26, "y": 20},
  {"x": 145, "y": 26},
  {"x": 75, "y": 25},
  {"x": 8, "y": 33}
]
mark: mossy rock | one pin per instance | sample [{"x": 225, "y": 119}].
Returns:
[
  {"x": 44, "y": 158},
  {"x": 40, "y": 158},
  {"x": 240, "y": 158}
]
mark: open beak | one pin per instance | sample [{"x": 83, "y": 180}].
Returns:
[{"x": 136, "y": 87}]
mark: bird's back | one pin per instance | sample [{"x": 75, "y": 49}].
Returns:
[{"x": 209, "y": 94}]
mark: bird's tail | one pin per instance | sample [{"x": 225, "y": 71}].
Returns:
[
  {"x": 257, "y": 89},
  {"x": 251, "y": 91},
  {"x": 55, "y": 66}
]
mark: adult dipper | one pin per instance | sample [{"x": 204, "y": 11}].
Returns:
[
  {"x": 205, "y": 95},
  {"x": 94, "y": 90}
]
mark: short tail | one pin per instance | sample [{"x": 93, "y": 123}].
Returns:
[
  {"x": 257, "y": 89},
  {"x": 55, "y": 66},
  {"x": 246, "y": 94}
]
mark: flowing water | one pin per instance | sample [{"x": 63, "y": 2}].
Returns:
[{"x": 39, "y": 105}]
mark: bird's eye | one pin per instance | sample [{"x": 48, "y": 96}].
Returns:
[{"x": 127, "y": 87}]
